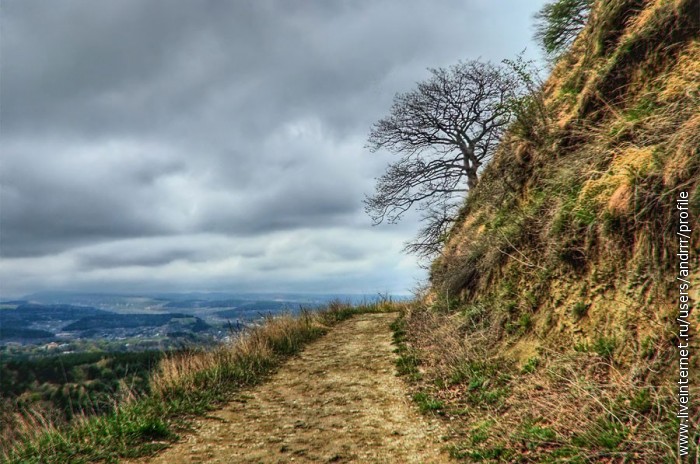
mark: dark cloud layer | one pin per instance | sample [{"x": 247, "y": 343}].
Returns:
[{"x": 208, "y": 144}]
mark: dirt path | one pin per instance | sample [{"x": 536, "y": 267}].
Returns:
[{"x": 339, "y": 401}]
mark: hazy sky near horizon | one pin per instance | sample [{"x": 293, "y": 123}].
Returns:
[{"x": 158, "y": 145}]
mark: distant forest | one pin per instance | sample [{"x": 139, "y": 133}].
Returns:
[{"x": 73, "y": 384}]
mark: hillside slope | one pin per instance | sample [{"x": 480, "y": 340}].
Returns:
[{"x": 552, "y": 313}]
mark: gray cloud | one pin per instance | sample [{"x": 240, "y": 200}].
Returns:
[{"x": 157, "y": 143}]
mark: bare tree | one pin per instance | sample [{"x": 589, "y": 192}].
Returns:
[{"x": 444, "y": 131}]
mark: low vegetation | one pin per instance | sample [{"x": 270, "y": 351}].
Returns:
[
  {"x": 182, "y": 386},
  {"x": 556, "y": 406},
  {"x": 71, "y": 385}
]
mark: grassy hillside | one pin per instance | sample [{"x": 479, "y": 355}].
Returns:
[{"x": 550, "y": 329}]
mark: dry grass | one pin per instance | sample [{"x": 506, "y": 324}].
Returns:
[
  {"x": 28, "y": 424},
  {"x": 558, "y": 406},
  {"x": 628, "y": 164},
  {"x": 601, "y": 192},
  {"x": 251, "y": 352}
]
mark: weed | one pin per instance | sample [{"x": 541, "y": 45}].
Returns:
[
  {"x": 580, "y": 309},
  {"x": 531, "y": 299},
  {"x": 479, "y": 454},
  {"x": 407, "y": 361},
  {"x": 407, "y": 364},
  {"x": 585, "y": 214},
  {"x": 572, "y": 87},
  {"x": 480, "y": 432},
  {"x": 475, "y": 314},
  {"x": 533, "y": 435},
  {"x": 530, "y": 366},
  {"x": 521, "y": 326},
  {"x": 643, "y": 109},
  {"x": 510, "y": 307},
  {"x": 427, "y": 403},
  {"x": 694, "y": 202},
  {"x": 604, "y": 433},
  {"x": 648, "y": 348},
  {"x": 581, "y": 347},
  {"x": 641, "y": 401},
  {"x": 486, "y": 384},
  {"x": 605, "y": 346}
]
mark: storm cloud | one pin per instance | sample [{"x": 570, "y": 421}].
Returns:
[{"x": 214, "y": 145}]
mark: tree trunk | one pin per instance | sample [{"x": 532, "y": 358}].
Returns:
[
  {"x": 471, "y": 164},
  {"x": 472, "y": 178}
]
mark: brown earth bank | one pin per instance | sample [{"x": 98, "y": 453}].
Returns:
[{"x": 338, "y": 401}]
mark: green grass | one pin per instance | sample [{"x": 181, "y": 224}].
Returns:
[
  {"x": 605, "y": 433},
  {"x": 605, "y": 347},
  {"x": 427, "y": 403},
  {"x": 407, "y": 361},
  {"x": 579, "y": 309}
]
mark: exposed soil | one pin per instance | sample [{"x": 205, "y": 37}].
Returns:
[{"x": 338, "y": 401}]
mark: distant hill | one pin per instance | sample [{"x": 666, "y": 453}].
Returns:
[
  {"x": 13, "y": 302},
  {"x": 30, "y": 312},
  {"x": 16, "y": 324},
  {"x": 258, "y": 308},
  {"x": 11, "y": 333},
  {"x": 197, "y": 304},
  {"x": 132, "y": 321}
]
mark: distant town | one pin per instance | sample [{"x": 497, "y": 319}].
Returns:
[{"x": 67, "y": 322}]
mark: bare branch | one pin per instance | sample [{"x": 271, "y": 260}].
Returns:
[{"x": 444, "y": 130}]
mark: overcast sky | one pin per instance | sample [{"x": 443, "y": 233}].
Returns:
[{"x": 153, "y": 145}]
